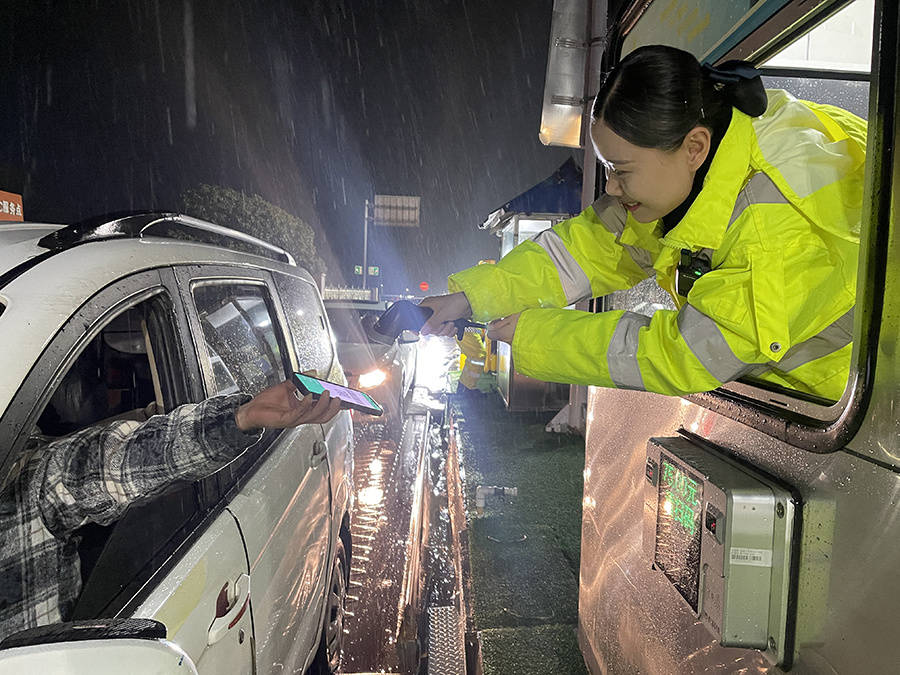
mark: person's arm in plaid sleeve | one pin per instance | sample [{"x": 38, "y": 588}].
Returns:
[{"x": 95, "y": 474}]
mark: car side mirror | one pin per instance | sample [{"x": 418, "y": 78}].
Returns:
[
  {"x": 407, "y": 337},
  {"x": 95, "y": 647}
]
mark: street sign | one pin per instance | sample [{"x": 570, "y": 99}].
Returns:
[
  {"x": 358, "y": 270},
  {"x": 424, "y": 286},
  {"x": 10, "y": 206},
  {"x": 396, "y": 211},
  {"x": 374, "y": 270}
]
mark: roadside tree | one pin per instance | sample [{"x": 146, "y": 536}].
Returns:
[{"x": 255, "y": 216}]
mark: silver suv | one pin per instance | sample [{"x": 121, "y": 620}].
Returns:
[{"x": 103, "y": 319}]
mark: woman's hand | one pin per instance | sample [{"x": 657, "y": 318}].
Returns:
[
  {"x": 281, "y": 406},
  {"x": 447, "y": 309},
  {"x": 503, "y": 329}
]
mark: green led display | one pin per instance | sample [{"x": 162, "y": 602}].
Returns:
[
  {"x": 681, "y": 501},
  {"x": 678, "y": 516}
]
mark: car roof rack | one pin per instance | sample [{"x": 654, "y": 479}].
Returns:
[{"x": 137, "y": 225}]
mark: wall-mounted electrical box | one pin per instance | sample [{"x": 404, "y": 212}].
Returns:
[{"x": 722, "y": 535}]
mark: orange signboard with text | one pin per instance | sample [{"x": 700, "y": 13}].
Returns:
[{"x": 10, "y": 206}]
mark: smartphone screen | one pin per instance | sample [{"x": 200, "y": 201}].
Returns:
[{"x": 354, "y": 398}]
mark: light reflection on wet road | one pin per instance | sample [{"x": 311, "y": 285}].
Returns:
[
  {"x": 385, "y": 471},
  {"x": 378, "y": 549}
]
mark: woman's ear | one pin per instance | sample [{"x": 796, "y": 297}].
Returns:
[{"x": 696, "y": 146}]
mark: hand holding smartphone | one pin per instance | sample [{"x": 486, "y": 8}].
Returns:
[{"x": 350, "y": 398}]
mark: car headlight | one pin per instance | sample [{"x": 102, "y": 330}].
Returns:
[{"x": 372, "y": 379}]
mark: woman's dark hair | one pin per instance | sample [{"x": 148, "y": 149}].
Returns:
[{"x": 657, "y": 94}]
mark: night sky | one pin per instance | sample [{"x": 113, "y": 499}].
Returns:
[{"x": 314, "y": 105}]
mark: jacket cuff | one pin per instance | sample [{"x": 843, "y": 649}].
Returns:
[
  {"x": 220, "y": 428},
  {"x": 476, "y": 282}
]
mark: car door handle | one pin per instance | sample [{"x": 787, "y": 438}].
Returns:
[
  {"x": 319, "y": 453},
  {"x": 222, "y": 624}
]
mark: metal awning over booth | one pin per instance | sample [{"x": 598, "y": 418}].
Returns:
[{"x": 559, "y": 193}]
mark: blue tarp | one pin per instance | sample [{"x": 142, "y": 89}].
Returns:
[{"x": 560, "y": 193}]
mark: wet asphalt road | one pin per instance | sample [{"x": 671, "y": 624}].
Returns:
[
  {"x": 386, "y": 458},
  {"x": 385, "y": 471}
]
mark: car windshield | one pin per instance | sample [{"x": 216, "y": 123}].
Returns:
[{"x": 347, "y": 323}]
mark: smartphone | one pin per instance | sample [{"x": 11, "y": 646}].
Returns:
[{"x": 350, "y": 398}]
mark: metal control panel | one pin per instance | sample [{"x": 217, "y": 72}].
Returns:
[{"x": 720, "y": 534}]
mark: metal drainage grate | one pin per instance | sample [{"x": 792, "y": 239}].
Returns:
[{"x": 446, "y": 652}]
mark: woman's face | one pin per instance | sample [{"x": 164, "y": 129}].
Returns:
[{"x": 650, "y": 183}]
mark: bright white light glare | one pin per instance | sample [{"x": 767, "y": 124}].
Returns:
[
  {"x": 375, "y": 467},
  {"x": 667, "y": 507},
  {"x": 694, "y": 426},
  {"x": 435, "y": 356},
  {"x": 371, "y": 496},
  {"x": 372, "y": 379}
]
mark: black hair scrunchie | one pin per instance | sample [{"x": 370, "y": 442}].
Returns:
[{"x": 741, "y": 84}]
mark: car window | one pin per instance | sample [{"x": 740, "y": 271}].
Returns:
[
  {"x": 116, "y": 375},
  {"x": 306, "y": 319},
  {"x": 239, "y": 328},
  {"x": 225, "y": 382},
  {"x": 127, "y": 370},
  {"x": 245, "y": 347}
]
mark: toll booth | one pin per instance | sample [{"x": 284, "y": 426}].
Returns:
[
  {"x": 753, "y": 528},
  {"x": 544, "y": 205}
]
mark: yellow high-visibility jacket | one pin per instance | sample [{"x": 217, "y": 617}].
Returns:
[{"x": 778, "y": 218}]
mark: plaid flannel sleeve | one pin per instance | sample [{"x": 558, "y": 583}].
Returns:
[{"x": 95, "y": 474}]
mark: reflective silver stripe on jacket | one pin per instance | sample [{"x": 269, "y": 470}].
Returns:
[
  {"x": 836, "y": 335},
  {"x": 830, "y": 339},
  {"x": 706, "y": 342},
  {"x": 574, "y": 281},
  {"x": 621, "y": 356},
  {"x": 759, "y": 190},
  {"x": 613, "y": 216}
]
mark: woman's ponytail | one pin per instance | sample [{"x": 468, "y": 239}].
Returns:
[{"x": 740, "y": 84}]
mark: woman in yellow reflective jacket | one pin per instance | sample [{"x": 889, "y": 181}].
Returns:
[{"x": 744, "y": 204}]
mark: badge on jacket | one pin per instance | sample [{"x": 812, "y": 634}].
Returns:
[{"x": 693, "y": 265}]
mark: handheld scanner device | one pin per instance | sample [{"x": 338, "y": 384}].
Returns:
[{"x": 405, "y": 315}]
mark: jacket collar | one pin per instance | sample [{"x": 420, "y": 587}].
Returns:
[{"x": 706, "y": 221}]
